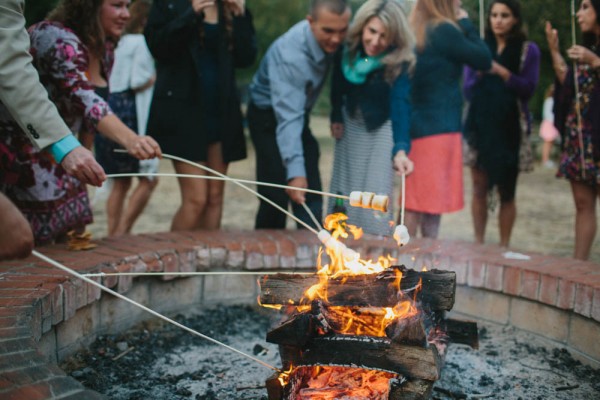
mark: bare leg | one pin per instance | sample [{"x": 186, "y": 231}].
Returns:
[
  {"x": 115, "y": 203},
  {"x": 211, "y": 218},
  {"x": 16, "y": 238},
  {"x": 412, "y": 220},
  {"x": 430, "y": 225},
  {"x": 546, "y": 149},
  {"x": 506, "y": 220},
  {"x": 585, "y": 218},
  {"x": 479, "y": 209},
  {"x": 136, "y": 204},
  {"x": 194, "y": 194}
]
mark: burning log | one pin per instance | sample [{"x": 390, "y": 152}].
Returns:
[
  {"x": 366, "y": 352},
  {"x": 410, "y": 331},
  {"x": 376, "y": 290}
]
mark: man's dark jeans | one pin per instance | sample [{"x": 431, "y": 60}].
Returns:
[{"x": 270, "y": 168}]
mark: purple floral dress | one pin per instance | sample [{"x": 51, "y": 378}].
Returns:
[
  {"x": 53, "y": 202},
  {"x": 570, "y": 162}
]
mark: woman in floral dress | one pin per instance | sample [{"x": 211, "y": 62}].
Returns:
[
  {"x": 73, "y": 53},
  {"x": 580, "y": 159}
]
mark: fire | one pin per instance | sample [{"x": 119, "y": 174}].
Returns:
[
  {"x": 284, "y": 376},
  {"x": 331, "y": 383}
]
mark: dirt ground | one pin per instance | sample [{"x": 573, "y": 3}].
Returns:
[{"x": 544, "y": 224}]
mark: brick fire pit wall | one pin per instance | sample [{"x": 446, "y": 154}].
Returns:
[{"x": 46, "y": 315}]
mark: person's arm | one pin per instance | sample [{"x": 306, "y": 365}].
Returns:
[
  {"x": 525, "y": 82},
  {"x": 16, "y": 238},
  {"x": 336, "y": 97},
  {"x": 66, "y": 66},
  {"x": 400, "y": 110},
  {"x": 462, "y": 44},
  {"x": 27, "y": 100},
  {"x": 470, "y": 79},
  {"x": 168, "y": 37},
  {"x": 244, "y": 40},
  {"x": 558, "y": 62}
]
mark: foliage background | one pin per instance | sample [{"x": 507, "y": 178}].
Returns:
[{"x": 274, "y": 17}]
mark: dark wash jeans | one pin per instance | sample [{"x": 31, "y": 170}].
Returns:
[{"x": 270, "y": 168}]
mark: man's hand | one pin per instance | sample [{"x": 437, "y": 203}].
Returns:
[
  {"x": 297, "y": 196},
  {"x": 81, "y": 164}
]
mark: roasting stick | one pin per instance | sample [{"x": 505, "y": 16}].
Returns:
[
  {"x": 481, "y": 18},
  {"x": 260, "y": 196},
  {"x": 209, "y": 273},
  {"x": 312, "y": 216},
  {"x": 577, "y": 93},
  {"x": 156, "y": 314},
  {"x": 403, "y": 190}
]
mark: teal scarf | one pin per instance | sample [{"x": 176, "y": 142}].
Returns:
[{"x": 357, "y": 70}]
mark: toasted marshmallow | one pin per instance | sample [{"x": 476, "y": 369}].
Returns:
[
  {"x": 380, "y": 203},
  {"x": 355, "y": 199}
]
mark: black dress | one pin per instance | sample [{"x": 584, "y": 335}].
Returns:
[{"x": 196, "y": 101}]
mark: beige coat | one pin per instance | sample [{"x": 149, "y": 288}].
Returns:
[{"x": 20, "y": 89}]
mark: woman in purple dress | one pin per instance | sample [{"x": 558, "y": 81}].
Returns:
[
  {"x": 580, "y": 158},
  {"x": 493, "y": 128},
  {"x": 73, "y": 53}
]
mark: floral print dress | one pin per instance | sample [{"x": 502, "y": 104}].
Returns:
[
  {"x": 571, "y": 160},
  {"x": 53, "y": 202}
]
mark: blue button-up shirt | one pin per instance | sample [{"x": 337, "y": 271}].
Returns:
[{"x": 289, "y": 80}]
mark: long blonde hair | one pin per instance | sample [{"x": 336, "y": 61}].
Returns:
[
  {"x": 427, "y": 13},
  {"x": 402, "y": 40}
]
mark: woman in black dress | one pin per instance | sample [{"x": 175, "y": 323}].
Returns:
[{"x": 195, "y": 112}]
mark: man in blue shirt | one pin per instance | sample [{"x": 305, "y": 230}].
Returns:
[{"x": 282, "y": 94}]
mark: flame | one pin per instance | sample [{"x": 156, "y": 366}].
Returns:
[{"x": 284, "y": 376}]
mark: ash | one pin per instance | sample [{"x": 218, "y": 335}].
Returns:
[{"x": 160, "y": 361}]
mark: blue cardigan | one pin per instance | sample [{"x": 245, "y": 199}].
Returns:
[
  {"x": 377, "y": 100},
  {"x": 435, "y": 90}
]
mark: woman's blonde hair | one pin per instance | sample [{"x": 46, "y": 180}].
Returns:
[
  {"x": 427, "y": 13},
  {"x": 401, "y": 39},
  {"x": 139, "y": 11}
]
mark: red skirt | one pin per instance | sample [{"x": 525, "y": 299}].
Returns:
[{"x": 436, "y": 184}]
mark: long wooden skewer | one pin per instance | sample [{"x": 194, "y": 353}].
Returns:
[
  {"x": 577, "y": 93},
  {"x": 403, "y": 199},
  {"x": 481, "y": 18},
  {"x": 228, "y": 178},
  {"x": 149, "y": 310},
  {"x": 260, "y": 196},
  {"x": 208, "y": 273}
]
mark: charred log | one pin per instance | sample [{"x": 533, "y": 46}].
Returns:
[
  {"x": 463, "y": 332},
  {"x": 413, "y": 389},
  {"x": 434, "y": 289},
  {"x": 366, "y": 352}
]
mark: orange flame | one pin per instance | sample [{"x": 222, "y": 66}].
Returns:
[{"x": 284, "y": 377}]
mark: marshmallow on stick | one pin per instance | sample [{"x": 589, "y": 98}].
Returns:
[
  {"x": 338, "y": 247},
  {"x": 377, "y": 202},
  {"x": 401, "y": 235}
]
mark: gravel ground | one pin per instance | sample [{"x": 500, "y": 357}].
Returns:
[
  {"x": 545, "y": 221},
  {"x": 159, "y": 361}
]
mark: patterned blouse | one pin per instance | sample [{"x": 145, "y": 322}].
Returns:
[{"x": 61, "y": 59}]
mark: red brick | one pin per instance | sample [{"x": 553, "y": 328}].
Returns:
[
  {"x": 476, "y": 274},
  {"x": 566, "y": 294},
  {"x": 39, "y": 391},
  {"x": 596, "y": 305},
  {"x": 152, "y": 261},
  {"x": 548, "y": 290},
  {"x": 494, "y": 278},
  {"x": 512, "y": 281},
  {"x": 187, "y": 261},
  {"x": 530, "y": 285},
  {"x": 583, "y": 300}
]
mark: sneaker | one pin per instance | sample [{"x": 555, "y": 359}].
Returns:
[{"x": 550, "y": 164}]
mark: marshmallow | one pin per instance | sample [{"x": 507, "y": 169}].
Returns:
[
  {"x": 401, "y": 235},
  {"x": 355, "y": 199},
  {"x": 367, "y": 198},
  {"x": 380, "y": 203}
]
